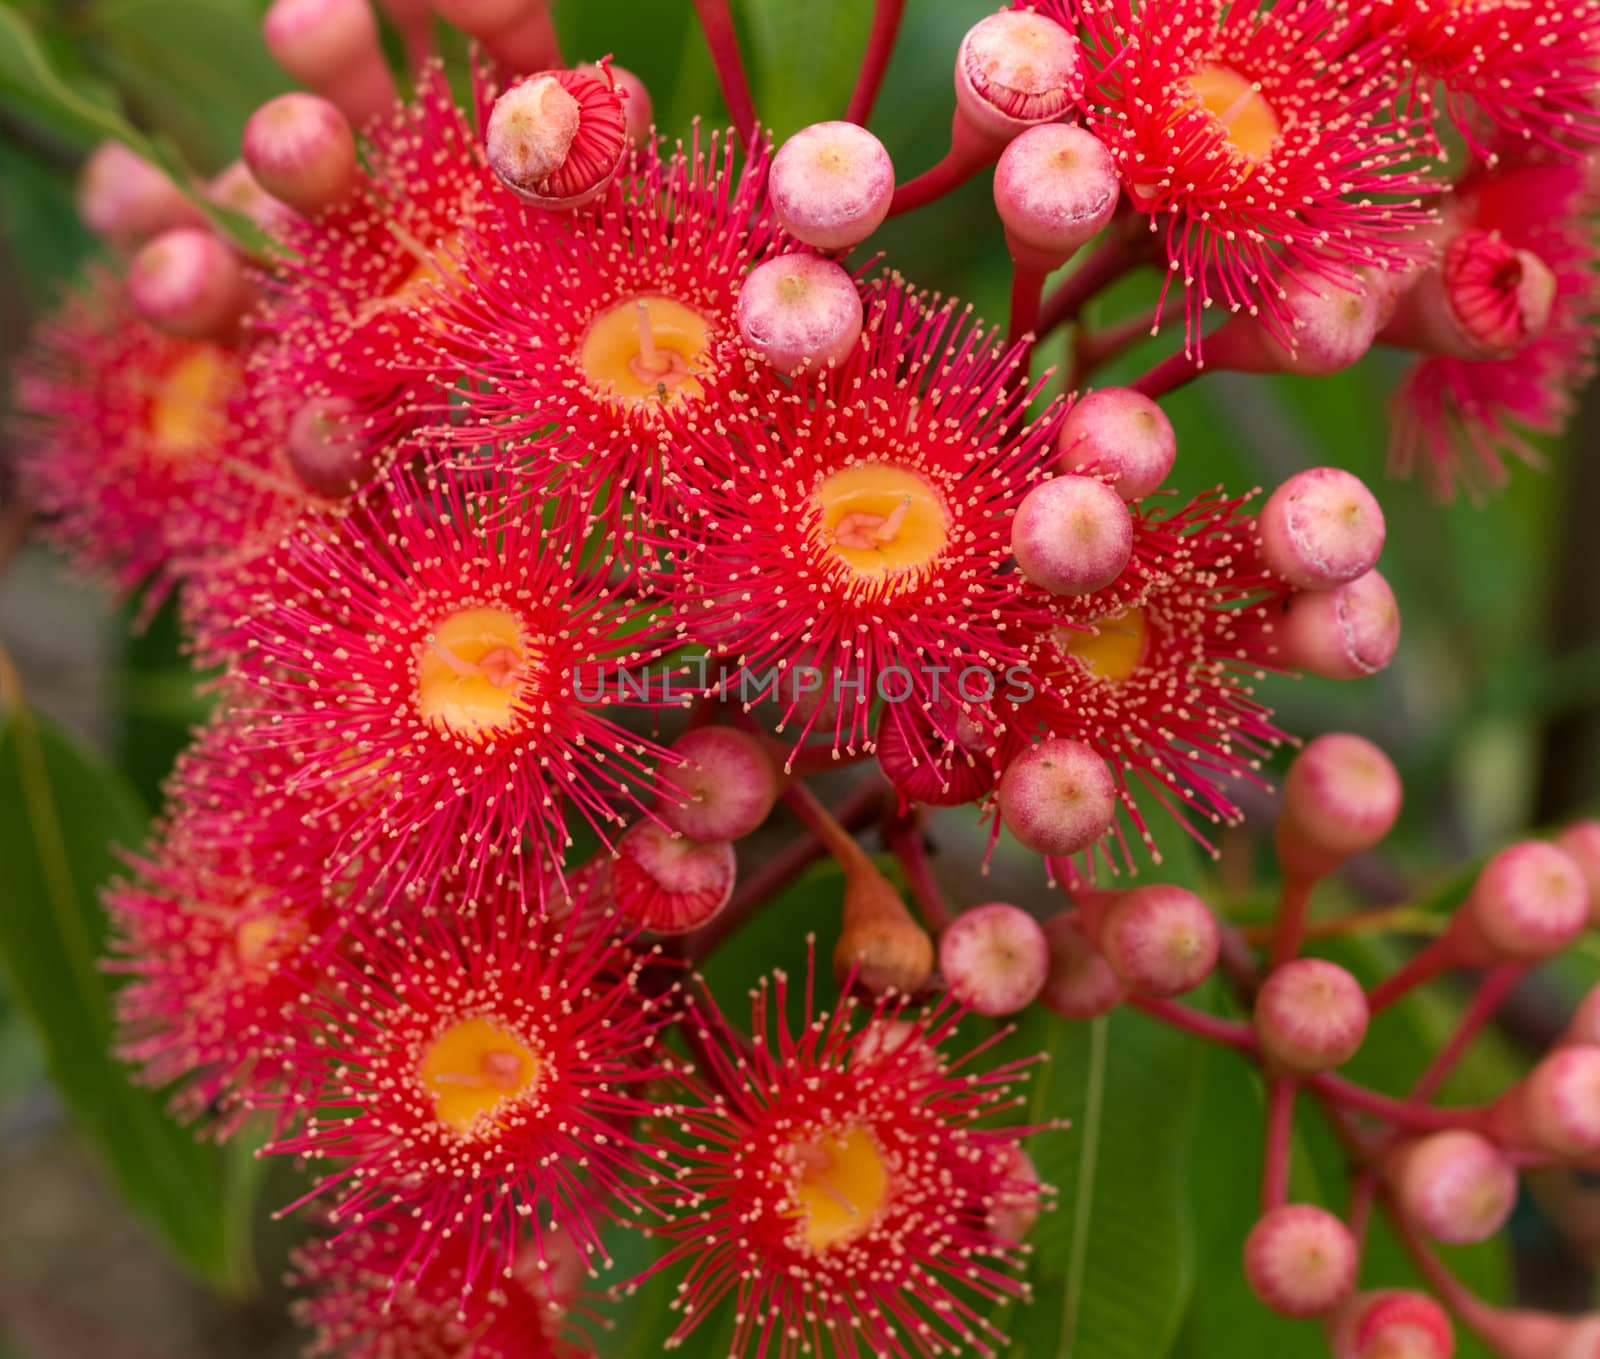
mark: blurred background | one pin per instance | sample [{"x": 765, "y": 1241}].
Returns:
[{"x": 1492, "y": 709}]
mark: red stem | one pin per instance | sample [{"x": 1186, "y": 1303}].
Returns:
[
  {"x": 1280, "y": 1135},
  {"x": 1199, "y": 1023},
  {"x": 1362, "y": 1192},
  {"x": 1439, "y": 956},
  {"x": 1100, "y": 268},
  {"x": 1470, "y": 1308},
  {"x": 968, "y": 154},
  {"x": 1486, "y": 1000},
  {"x": 886, "y": 17},
  {"x": 1092, "y": 349},
  {"x": 1172, "y": 372},
  {"x": 1027, "y": 287},
  {"x": 716, "y": 22},
  {"x": 1402, "y": 1113},
  {"x": 1294, "y": 901},
  {"x": 906, "y": 842}
]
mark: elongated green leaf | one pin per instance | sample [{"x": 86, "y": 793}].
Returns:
[{"x": 63, "y": 816}]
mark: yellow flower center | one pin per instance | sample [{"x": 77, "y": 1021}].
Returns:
[
  {"x": 1247, "y": 119},
  {"x": 473, "y": 668},
  {"x": 879, "y": 519},
  {"x": 186, "y": 411},
  {"x": 437, "y": 268},
  {"x": 475, "y": 1067},
  {"x": 1116, "y": 647},
  {"x": 840, "y": 1186},
  {"x": 645, "y": 348},
  {"x": 261, "y": 940}
]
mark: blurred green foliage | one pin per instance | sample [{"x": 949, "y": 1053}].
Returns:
[{"x": 1159, "y": 1174}]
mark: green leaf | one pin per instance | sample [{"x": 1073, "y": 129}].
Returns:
[
  {"x": 27, "y": 76},
  {"x": 64, "y": 816},
  {"x": 1113, "y": 1264}
]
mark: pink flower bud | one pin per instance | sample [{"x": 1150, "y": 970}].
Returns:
[
  {"x": 1321, "y": 528},
  {"x": 1539, "y": 1335},
  {"x": 637, "y": 107},
  {"x": 236, "y": 189},
  {"x": 1057, "y": 797},
  {"x": 1333, "y": 327},
  {"x": 1341, "y": 798},
  {"x": 1529, "y": 903},
  {"x": 332, "y": 46},
  {"x": 326, "y": 449},
  {"x": 1014, "y": 70},
  {"x": 1300, "y": 1260},
  {"x": 1556, "y": 1108},
  {"x": 1391, "y": 1324},
  {"x": 1310, "y": 1016},
  {"x": 1162, "y": 940},
  {"x": 1072, "y": 535},
  {"x": 1081, "y": 983},
  {"x": 519, "y": 34},
  {"x": 1456, "y": 1185},
  {"x": 1581, "y": 843},
  {"x": 1348, "y": 632},
  {"x": 830, "y": 185},
  {"x": 557, "y": 139},
  {"x": 302, "y": 151},
  {"x": 724, "y": 788},
  {"x": 668, "y": 883},
  {"x": 800, "y": 310},
  {"x": 1055, "y": 188},
  {"x": 189, "y": 284},
  {"x": 126, "y": 200},
  {"x": 1485, "y": 299},
  {"x": 994, "y": 958},
  {"x": 1122, "y": 434},
  {"x": 1016, "y": 1205}
]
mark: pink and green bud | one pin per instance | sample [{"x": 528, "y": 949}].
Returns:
[
  {"x": 1555, "y": 1108},
  {"x": 1311, "y": 1016},
  {"x": 800, "y": 311},
  {"x": 1015, "y": 70},
  {"x": 1072, "y": 535},
  {"x": 1300, "y": 1260},
  {"x": 724, "y": 787},
  {"x": 1081, "y": 983},
  {"x": 667, "y": 883},
  {"x": 638, "y": 109},
  {"x": 237, "y": 190},
  {"x": 125, "y": 200},
  {"x": 1529, "y": 903},
  {"x": 327, "y": 450},
  {"x": 995, "y": 958},
  {"x": 1391, "y": 1324},
  {"x": 302, "y": 151},
  {"x": 519, "y": 34},
  {"x": 1341, "y": 798},
  {"x": 1055, "y": 188},
  {"x": 332, "y": 46},
  {"x": 1057, "y": 797},
  {"x": 1485, "y": 299},
  {"x": 1161, "y": 940},
  {"x": 188, "y": 283},
  {"x": 1348, "y": 632},
  {"x": 557, "y": 139},
  {"x": 1122, "y": 435},
  {"x": 1321, "y": 528},
  {"x": 1455, "y": 1185},
  {"x": 1581, "y": 843},
  {"x": 830, "y": 185}
]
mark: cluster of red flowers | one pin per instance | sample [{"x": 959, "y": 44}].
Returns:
[{"x": 526, "y": 425}]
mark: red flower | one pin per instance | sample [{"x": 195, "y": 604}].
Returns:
[{"x": 841, "y": 1190}]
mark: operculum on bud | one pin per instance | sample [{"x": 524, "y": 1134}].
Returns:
[{"x": 1484, "y": 299}]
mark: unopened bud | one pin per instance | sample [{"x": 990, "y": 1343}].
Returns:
[
  {"x": 831, "y": 184},
  {"x": 188, "y": 283},
  {"x": 1341, "y": 798},
  {"x": 724, "y": 787},
  {"x": 1162, "y": 940},
  {"x": 1081, "y": 983},
  {"x": 1456, "y": 1185},
  {"x": 557, "y": 139},
  {"x": 1391, "y": 1324},
  {"x": 924, "y": 766},
  {"x": 1300, "y": 1260},
  {"x": 1120, "y": 434},
  {"x": 519, "y": 34},
  {"x": 332, "y": 46},
  {"x": 1072, "y": 535},
  {"x": 1310, "y": 1016},
  {"x": 125, "y": 200},
  {"x": 1321, "y": 528},
  {"x": 1581, "y": 842},
  {"x": 800, "y": 310},
  {"x": 302, "y": 151},
  {"x": 880, "y": 945},
  {"x": 1333, "y": 326},
  {"x": 667, "y": 883},
  {"x": 1057, "y": 797},
  {"x": 236, "y": 189},
  {"x": 1016, "y": 1204},
  {"x": 1014, "y": 70},
  {"x": 1348, "y": 632},
  {"x": 1529, "y": 902},
  {"x": 1055, "y": 188},
  {"x": 1556, "y": 1108},
  {"x": 995, "y": 958},
  {"x": 327, "y": 450}
]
